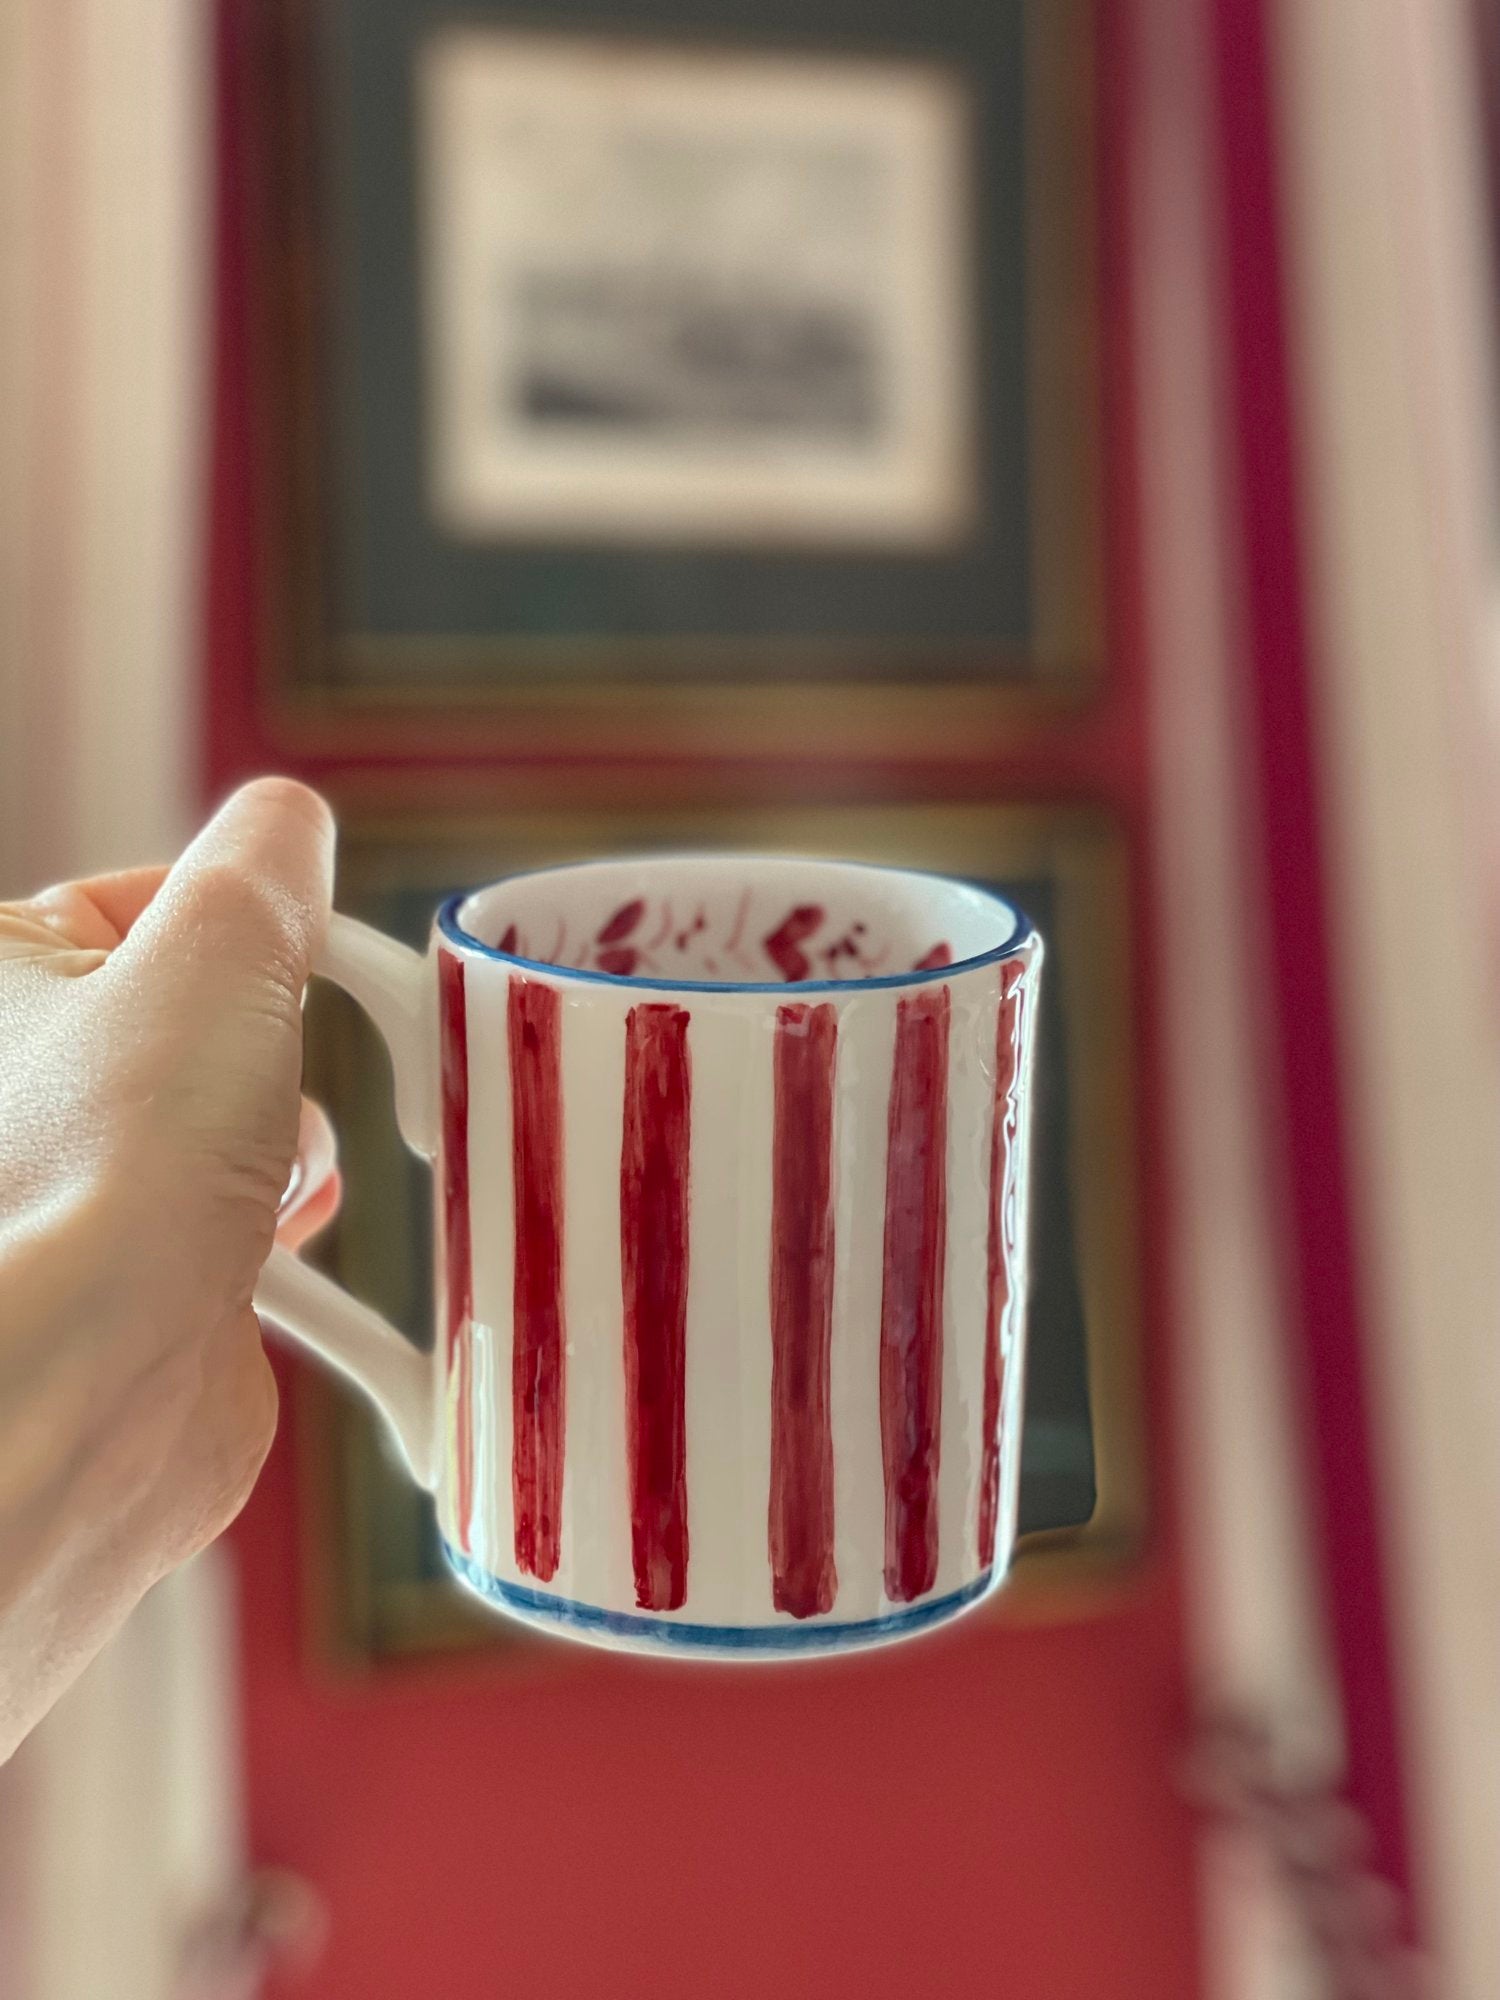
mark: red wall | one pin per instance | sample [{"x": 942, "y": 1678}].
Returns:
[
  {"x": 990, "y": 1811},
  {"x": 986, "y": 1812}
]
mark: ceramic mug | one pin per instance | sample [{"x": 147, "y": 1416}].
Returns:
[{"x": 730, "y": 1167}]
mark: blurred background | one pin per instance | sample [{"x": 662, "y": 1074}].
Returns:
[{"x": 1050, "y": 441}]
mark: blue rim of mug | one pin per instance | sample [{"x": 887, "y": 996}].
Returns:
[
  {"x": 679, "y": 1635},
  {"x": 1023, "y": 933}
]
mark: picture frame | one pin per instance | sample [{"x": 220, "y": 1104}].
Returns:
[
  {"x": 412, "y": 602},
  {"x": 377, "y": 1591}
]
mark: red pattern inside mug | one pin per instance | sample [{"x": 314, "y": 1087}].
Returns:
[{"x": 757, "y": 923}]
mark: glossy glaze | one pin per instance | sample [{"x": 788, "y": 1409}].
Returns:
[
  {"x": 739, "y": 1354},
  {"x": 538, "y": 1367},
  {"x": 655, "y": 1195},
  {"x": 1005, "y": 1299},
  {"x": 804, "y": 1578},
  {"x": 456, "y": 1207},
  {"x": 911, "y": 1302}
]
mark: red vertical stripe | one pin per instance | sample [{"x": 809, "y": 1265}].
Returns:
[
  {"x": 654, "y": 1272},
  {"x": 1004, "y": 1245},
  {"x": 538, "y": 1366},
  {"x": 458, "y": 1264},
  {"x": 1298, "y": 985},
  {"x": 801, "y": 1508},
  {"x": 911, "y": 1307}
]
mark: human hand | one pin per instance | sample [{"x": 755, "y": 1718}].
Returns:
[{"x": 150, "y": 1063}]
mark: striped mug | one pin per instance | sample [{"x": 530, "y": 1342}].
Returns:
[{"x": 730, "y": 1165}]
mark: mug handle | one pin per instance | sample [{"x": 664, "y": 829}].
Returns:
[{"x": 394, "y": 986}]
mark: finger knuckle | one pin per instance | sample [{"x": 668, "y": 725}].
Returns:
[
  {"x": 224, "y": 890},
  {"x": 237, "y": 913}
]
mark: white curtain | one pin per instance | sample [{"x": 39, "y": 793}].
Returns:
[
  {"x": 1395, "y": 316},
  {"x": 105, "y": 184},
  {"x": 1257, "y": 1636},
  {"x": 1392, "y": 311},
  {"x": 120, "y": 1817}
]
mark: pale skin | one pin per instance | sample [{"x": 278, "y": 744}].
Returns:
[{"x": 150, "y": 1065}]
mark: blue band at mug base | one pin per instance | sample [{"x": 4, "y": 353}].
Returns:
[{"x": 672, "y": 1635}]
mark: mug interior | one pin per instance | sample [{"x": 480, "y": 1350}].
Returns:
[{"x": 737, "y": 920}]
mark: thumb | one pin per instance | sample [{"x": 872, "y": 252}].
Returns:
[
  {"x": 205, "y": 992},
  {"x": 247, "y": 900}
]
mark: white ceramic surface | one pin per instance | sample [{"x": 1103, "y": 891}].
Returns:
[{"x": 730, "y": 1158}]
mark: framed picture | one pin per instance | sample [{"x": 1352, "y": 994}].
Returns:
[
  {"x": 378, "y": 1589},
  {"x": 692, "y": 297},
  {"x": 651, "y": 378}
]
